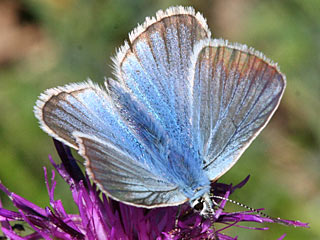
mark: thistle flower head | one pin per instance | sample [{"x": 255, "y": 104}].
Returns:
[{"x": 100, "y": 217}]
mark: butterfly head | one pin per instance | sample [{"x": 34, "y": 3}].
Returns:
[{"x": 203, "y": 204}]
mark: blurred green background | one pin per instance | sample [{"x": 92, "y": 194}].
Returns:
[{"x": 46, "y": 43}]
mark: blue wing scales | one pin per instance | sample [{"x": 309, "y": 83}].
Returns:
[
  {"x": 123, "y": 178},
  {"x": 236, "y": 91},
  {"x": 154, "y": 66}
]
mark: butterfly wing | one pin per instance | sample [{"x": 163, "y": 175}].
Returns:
[
  {"x": 124, "y": 178},
  {"x": 153, "y": 67},
  {"x": 236, "y": 90},
  {"x": 83, "y": 116}
]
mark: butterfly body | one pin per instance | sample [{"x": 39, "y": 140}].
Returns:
[{"x": 180, "y": 113}]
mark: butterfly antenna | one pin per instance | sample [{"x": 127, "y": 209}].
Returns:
[
  {"x": 241, "y": 205},
  {"x": 277, "y": 220}
]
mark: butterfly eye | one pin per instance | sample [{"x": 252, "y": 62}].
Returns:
[{"x": 199, "y": 206}]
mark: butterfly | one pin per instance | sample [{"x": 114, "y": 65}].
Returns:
[{"x": 180, "y": 112}]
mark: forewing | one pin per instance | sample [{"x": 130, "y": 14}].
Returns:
[
  {"x": 83, "y": 108},
  {"x": 124, "y": 179},
  {"x": 235, "y": 92},
  {"x": 153, "y": 67}
]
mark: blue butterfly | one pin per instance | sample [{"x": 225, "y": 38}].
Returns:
[{"x": 182, "y": 110}]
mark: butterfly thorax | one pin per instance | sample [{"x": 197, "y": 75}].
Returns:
[{"x": 185, "y": 167}]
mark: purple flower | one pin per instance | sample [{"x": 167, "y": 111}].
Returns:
[{"x": 100, "y": 217}]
